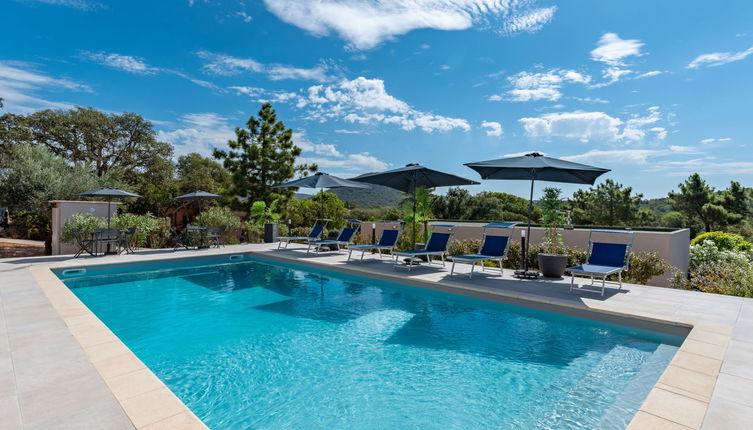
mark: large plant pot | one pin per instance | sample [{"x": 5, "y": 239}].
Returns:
[
  {"x": 270, "y": 232},
  {"x": 552, "y": 265}
]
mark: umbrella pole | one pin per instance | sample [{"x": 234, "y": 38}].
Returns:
[
  {"x": 108, "y": 213},
  {"x": 528, "y": 232},
  {"x": 321, "y": 191}
]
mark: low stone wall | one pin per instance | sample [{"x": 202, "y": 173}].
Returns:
[{"x": 672, "y": 246}]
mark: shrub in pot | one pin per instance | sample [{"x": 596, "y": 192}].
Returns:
[
  {"x": 552, "y": 262},
  {"x": 268, "y": 217}
]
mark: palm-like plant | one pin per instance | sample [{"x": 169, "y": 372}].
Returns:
[
  {"x": 263, "y": 213},
  {"x": 420, "y": 213}
]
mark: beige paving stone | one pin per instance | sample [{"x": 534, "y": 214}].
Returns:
[
  {"x": 713, "y": 327},
  {"x": 675, "y": 407},
  {"x": 183, "y": 421},
  {"x": 709, "y": 337},
  {"x": 10, "y": 414},
  {"x": 739, "y": 359},
  {"x": 725, "y": 414},
  {"x": 7, "y": 383},
  {"x": 119, "y": 365},
  {"x": 34, "y": 376},
  {"x": 92, "y": 334},
  {"x": 152, "y": 407},
  {"x": 106, "y": 350},
  {"x": 645, "y": 421},
  {"x": 689, "y": 381},
  {"x": 697, "y": 363},
  {"x": 99, "y": 416},
  {"x": 132, "y": 384},
  {"x": 703, "y": 348},
  {"x": 57, "y": 400},
  {"x": 734, "y": 388}
]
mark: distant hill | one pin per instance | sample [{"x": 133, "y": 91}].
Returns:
[{"x": 374, "y": 196}]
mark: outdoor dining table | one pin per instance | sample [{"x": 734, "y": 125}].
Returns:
[
  {"x": 107, "y": 237},
  {"x": 200, "y": 233}
]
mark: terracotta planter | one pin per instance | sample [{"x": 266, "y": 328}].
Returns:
[{"x": 552, "y": 265}]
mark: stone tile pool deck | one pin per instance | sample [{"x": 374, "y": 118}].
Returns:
[{"x": 60, "y": 367}]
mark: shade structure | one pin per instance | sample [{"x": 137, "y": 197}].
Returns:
[
  {"x": 109, "y": 193},
  {"x": 198, "y": 196},
  {"x": 536, "y": 167},
  {"x": 321, "y": 180},
  {"x": 413, "y": 176}
]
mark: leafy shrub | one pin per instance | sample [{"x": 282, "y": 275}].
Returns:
[
  {"x": 219, "y": 216},
  {"x": 644, "y": 266},
  {"x": 147, "y": 226},
  {"x": 84, "y": 223},
  {"x": 724, "y": 241},
  {"x": 721, "y": 271}
]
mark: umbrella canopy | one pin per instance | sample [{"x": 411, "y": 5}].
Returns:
[
  {"x": 413, "y": 176},
  {"x": 109, "y": 193},
  {"x": 536, "y": 167},
  {"x": 321, "y": 180},
  {"x": 197, "y": 196}
]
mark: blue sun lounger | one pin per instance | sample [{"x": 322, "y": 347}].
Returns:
[
  {"x": 603, "y": 260},
  {"x": 435, "y": 246},
  {"x": 387, "y": 242},
  {"x": 314, "y": 234},
  {"x": 493, "y": 248},
  {"x": 344, "y": 239}
]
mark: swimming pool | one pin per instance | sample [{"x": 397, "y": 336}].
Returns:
[{"x": 252, "y": 343}]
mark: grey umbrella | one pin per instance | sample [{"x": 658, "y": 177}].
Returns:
[
  {"x": 413, "y": 176},
  {"x": 536, "y": 167},
  {"x": 197, "y": 196},
  {"x": 321, "y": 180},
  {"x": 109, "y": 193}
]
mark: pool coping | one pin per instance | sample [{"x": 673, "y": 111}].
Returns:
[{"x": 680, "y": 399}]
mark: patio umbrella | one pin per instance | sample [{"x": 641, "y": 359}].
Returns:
[
  {"x": 197, "y": 196},
  {"x": 321, "y": 180},
  {"x": 536, "y": 167},
  {"x": 410, "y": 177},
  {"x": 109, "y": 193}
]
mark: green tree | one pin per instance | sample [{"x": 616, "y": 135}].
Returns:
[
  {"x": 699, "y": 203},
  {"x": 196, "y": 172},
  {"x": 452, "y": 205},
  {"x": 737, "y": 199},
  {"x": 261, "y": 156},
  {"x": 609, "y": 203}
]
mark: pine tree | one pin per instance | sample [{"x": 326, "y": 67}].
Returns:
[{"x": 261, "y": 156}]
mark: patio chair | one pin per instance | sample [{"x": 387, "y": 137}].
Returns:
[
  {"x": 126, "y": 240},
  {"x": 180, "y": 240},
  {"x": 344, "y": 239},
  {"x": 84, "y": 245},
  {"x": 493, "y": 248},
  {"x": 108, "y": 237},
  {"x": 387, "y": 242},
  {"x": 316, "y": 232},
  {"x": 214, "y": 234},
  {"x": 603, "y": 260},
  {"x": 435, "y": 246}
]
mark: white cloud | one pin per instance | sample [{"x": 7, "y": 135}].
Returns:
[
  {"x": 244, "y": 16},
  {"x": 328, "y": 157},
  {"x": 199, "y": 132},
  {"x": 627, "y": 156},
  {"x": 493, "y": 128},
  {"x": 718, "y": 58},
  {"x": 20, "y": 84},
  {"x": 529, "y": 22},
  {"x": 612, "y": 50},
  {"x": 126, "y": 63},
  {"x": 261, "y": 95},
  {"x": 594, "y": 126},
  {"x": 650, "y": 74},
  {"x": 529, "y": 86},
  {"x": 75, "y": 4},
  {"x": 716, "y": 140},
  {"x": 366, "y": 101},
  {"x": 365, "y": 24},
  {"x": 226, "y": 65}
]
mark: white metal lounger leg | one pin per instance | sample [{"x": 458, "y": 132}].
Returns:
[
  {"x": 619, "y": 276},
  {"x": 501, "y": 269},
  {"x": 350, "y": 253},
  {"x": 441, "y": 256},
  {"x": 452, "y": 269},
  {"x": 473, "y": 266},
  {"x": 603, "y": 284},
  {"x": 572, "y": 281},
  {"x": 379, "y": 250},
  {"x": 363, "y": 252},
  {"x": 279, "y": 244}
]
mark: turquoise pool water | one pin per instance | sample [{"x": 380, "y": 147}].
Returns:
[{"x": 256, "y": 344}]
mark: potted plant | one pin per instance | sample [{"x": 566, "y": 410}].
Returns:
[
  {"x": 552, "y": 262},
  {"x": 268, "y": 217}
]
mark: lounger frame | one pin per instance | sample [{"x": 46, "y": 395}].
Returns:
[
  {"x": 598, "y": 271},
  {"x": 311, "y": 236},
  {"x": 377, "y": 247},
  {"x": 420, "y": 253},
  {"x": 317, "y": 244},
  {"x": 475, "y": 258}
]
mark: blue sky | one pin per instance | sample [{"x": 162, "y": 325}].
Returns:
[{"x": 652, "y": 90}]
